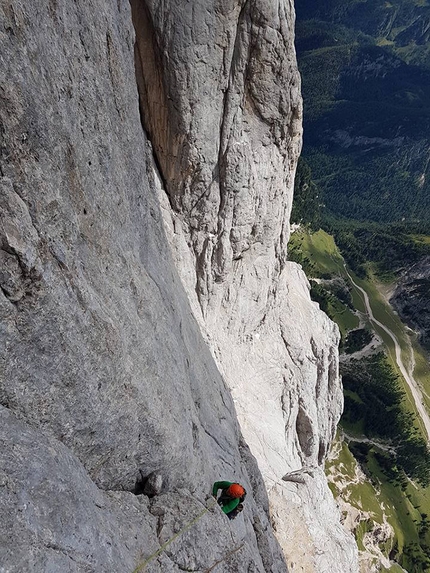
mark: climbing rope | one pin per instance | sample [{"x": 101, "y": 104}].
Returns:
[
  {"x": 186, "y": 527},
  {"x": 229, "y": 554}
]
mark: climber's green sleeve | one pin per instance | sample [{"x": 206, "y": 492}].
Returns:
[
  {"x": 220, "y": 485},
  {"x": 231, "y": 505}
]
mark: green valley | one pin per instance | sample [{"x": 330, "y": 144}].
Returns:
[
  {"x": 379, "y": 468},
  {"x": 365, "y": 69},
  {"x": 362, "y": 235}
]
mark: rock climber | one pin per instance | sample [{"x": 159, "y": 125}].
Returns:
[{"x": 231, "y": 498}]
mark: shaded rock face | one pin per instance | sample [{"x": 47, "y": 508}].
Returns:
[
  {"x": 411, "y": 299},
  {"x": 105, "y": 377},
  {"x": 220, "y": 100}
]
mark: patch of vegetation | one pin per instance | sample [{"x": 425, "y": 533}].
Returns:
[
  {"x": 376, "y": 384},
  {"x": 405, "y": 506},
  {"x": 357, "y": 340},
  {"x": 389, "y": 247},
  {"x": 316, "y": 252},
  {"x": 422, "y": 371},
  {"x": 320, "y": 259},
  {"x": 340, "y": 312},
  {"x": 421, "y": 239},
  {"x": 406, "y": 502},
  {"x": 306, "y": 206}
]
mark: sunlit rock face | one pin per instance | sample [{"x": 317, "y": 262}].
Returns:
[{"x": 220, "y": 99}]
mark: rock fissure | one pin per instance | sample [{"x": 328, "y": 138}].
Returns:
[
  {"x": 17, "y": 280},
  {"x": 28, "y": 209},
  {"x": 287, "y": 348},
  {"x": 183, "y": 568},
  {"x": 202, "y": 196},
  {"x": 227, "y": 99},
  {"x": 8, "y": 295},
  {"x": 66, "y": 553},
  {"x": 227, "y": 556}
]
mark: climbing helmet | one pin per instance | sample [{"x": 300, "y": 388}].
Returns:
[{"x": 235, "y": 490}]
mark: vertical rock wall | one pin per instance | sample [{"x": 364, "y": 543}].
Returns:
[
  {"x": 220, "y": 100},
  {"x": 104, "y": 375}
]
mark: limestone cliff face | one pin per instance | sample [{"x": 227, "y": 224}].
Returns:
[
  {"x": 105, "y": 377},
  {"x": 220, "y": 99}
]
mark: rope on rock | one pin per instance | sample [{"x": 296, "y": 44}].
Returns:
[
  {"x": 229, "y": 554},
  {"x": 186, "y": 527}
]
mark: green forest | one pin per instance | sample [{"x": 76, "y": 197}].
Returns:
[
  {"x": 374, "y": 399},
  {"x": 389, "y": 246},
  {"x": 365, "y": 70}
]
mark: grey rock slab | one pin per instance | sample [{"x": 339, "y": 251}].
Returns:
[
  {"x": 102, "y": 341},
  {"x": 102, "y": 361},
  {"x": 54, "y": 518},
  {"x": 220, "y": 94}
]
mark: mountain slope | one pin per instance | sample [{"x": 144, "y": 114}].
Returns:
[
  {"x": 226, "y": 154},
  {"x": 366, "y": 86}
]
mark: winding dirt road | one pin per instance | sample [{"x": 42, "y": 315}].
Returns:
[{"x": 407, "y": 373}]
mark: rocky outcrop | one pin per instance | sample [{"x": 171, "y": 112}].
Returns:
[
  {"x": 226, "y": 152},
  {"x": 105, "y": 377},
  {"x": 218, "y": 87},
  {"x": 55, "y": 518},
  {"x": 411, "y": 299}
]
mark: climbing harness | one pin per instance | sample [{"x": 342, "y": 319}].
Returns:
[{"x": 186, "y": 527}]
